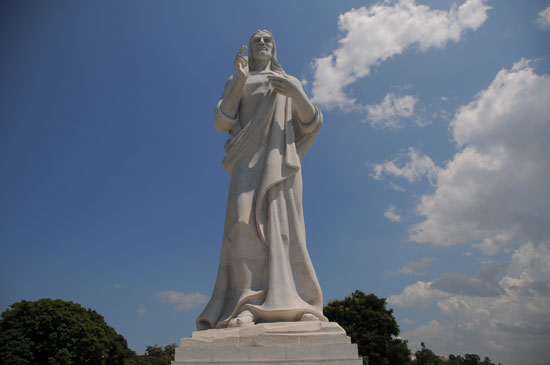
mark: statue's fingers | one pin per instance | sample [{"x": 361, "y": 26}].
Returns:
[
  {"x": 275, "y": 77},
  {"x": 241, "y": 51},
  {"x": 278, "y": 84},
  {"x": 281, "y": 91}
]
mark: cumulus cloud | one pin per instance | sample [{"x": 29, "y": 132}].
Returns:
[
  {"x": 493, "y": 192},
  {"x": 495, "y": 189},
  {"x": 142, "y": 310},
  {"x": 182, "y": 301},
  {"x": 391, "y": 214},
  {"x": 395, "y": 187},
  {"x": 544, "y": 19},
  {"x": 419, "y": 294},
  {"x": 377, "y": 33},
  {"x": 505, "y": 308},
  {"x": 412, "y": 167},
  {"x": 534, "y": 281},
  {"x": 417, "y": 267},
  {"x": 390, "y": 112},
  {"x": 484, "y": 284}
]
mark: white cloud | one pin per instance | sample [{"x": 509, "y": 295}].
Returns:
[
  {"x": 391, "y": 214},
  {"x": 142, "y": 310},
  {"x": 396, "y": 187},
  {"x": 504, "y": 309},
  {"x": 432, "y": 334},
  {"x": 419, "y": 294},
  {"x": 535, "y": 280},
  {"x": 377, "y": 33},
  {"x": 495, "y": 189},
  {"x": 390, "y": 112},
  {"x": 417, "y": 267},
  {"x": 484, "y": 284},
  {"x": 544, "y": 19},
  {"x": 494, "y": 192},
  {"x": 412, "y": 170},
  {"x": 491, "y": 245},
  {"x": 182, "y": 301}
]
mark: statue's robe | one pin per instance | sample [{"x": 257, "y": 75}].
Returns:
[{"x": 264, "y": 265}]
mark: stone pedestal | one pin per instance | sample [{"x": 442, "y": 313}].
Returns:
[{"x": 270, "y": 343}]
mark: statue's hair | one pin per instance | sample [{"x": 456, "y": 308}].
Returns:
[{"x": 275, "y": 66}]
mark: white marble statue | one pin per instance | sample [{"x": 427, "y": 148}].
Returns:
[{"x": 265, "y": 273}]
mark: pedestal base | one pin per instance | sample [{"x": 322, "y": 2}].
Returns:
[{"x": 270, "y": 343}]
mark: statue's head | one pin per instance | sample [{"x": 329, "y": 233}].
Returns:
[{"x": 262, "y": 44}]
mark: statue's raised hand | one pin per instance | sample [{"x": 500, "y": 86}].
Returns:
[{"x": 241, "y": 64}]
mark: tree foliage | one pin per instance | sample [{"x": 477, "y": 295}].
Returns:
[
  {"x": 468, "y": 359},
  {"x": 426, "y": 357},
  {"x": 371, "y": 326},
  {"x": 54, "y": 332},
  {"x": 154, "y": 355},
  {"x": 399, "y": 353}
]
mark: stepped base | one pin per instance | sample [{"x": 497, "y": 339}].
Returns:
[{"x": 270, "y": 343}]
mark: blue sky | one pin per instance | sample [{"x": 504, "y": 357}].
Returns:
[{"x": 428, "y": 184}]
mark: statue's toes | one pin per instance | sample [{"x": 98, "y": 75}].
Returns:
[{"x": 308, "y": 317}]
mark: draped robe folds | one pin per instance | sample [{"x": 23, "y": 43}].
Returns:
[{"x": 264, "y": 264}]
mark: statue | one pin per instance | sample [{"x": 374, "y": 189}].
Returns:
[{"x": 265, "y": 272}]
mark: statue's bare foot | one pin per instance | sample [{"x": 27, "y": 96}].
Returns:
[
  {"x": 309, "y": 317},
  {"x": 245, "y": 318}
]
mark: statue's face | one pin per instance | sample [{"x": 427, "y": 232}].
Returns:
[{"x": 262, "y": 45}]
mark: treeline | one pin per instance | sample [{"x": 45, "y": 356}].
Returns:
[
  {"x": 427, "y": 357},
  {"x": 154, "y": 355},
  {"x": 57, "y": 332}
]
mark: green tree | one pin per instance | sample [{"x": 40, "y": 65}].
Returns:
[
  {"x": 426, "y": 357},
  {"x": 371, "y": 326},
  {"x": 399, "y": 353},
  {"x": 487, "y": 361},
  {"x": 471, "y": 359},
  {"x": 468, "y": 359},
  {"x": 55, "y": 332},
  {"x": 154, "y": 355},
  {"x": 455, "y": 360}
]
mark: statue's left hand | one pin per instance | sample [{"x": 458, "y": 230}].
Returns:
[
  {"x": 286, "y": 85},
  {"x": 290, "y": 87}
]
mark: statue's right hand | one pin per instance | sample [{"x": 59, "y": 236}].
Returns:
[{"x": 241, "y": 64}]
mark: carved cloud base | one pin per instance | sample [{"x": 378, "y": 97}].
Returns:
[{"x": 270, "y": 343}]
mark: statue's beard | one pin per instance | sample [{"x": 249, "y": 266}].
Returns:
[{"x": 264, "y": 53}]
